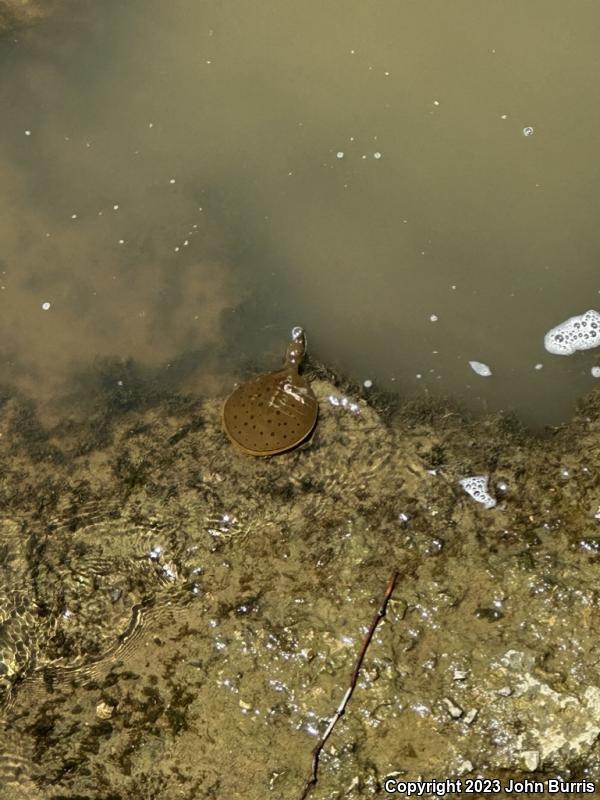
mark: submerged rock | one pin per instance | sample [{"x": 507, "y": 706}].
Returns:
[{"x": 172, "y": 601}]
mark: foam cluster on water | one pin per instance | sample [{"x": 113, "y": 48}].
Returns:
[
  {"x": 477, "y": 487},
  {"x": 577, "y": 333},
  {"x": 344, "y": 402},
  {"x": 480, "y": 368}
]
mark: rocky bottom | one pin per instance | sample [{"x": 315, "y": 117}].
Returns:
[{"x": 179, "y": 620}]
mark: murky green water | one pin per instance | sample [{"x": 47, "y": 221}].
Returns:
[
  {"x": 356, "y": 167},
  {"x": 414, "y": 182}
]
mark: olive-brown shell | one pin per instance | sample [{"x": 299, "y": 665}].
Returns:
[
  {"x": 271, "y": 413},
  {"x": 275, "y": 412}
]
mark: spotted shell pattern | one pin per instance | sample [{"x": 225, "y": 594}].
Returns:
[{"x": 275, "y": 412}]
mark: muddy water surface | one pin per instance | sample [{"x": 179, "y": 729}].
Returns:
[{"x": 361, "y": 169}]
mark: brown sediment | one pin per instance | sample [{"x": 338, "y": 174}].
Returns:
[
  {"x": 215, "y": 603},
  {"x": 379, "y": 615}
]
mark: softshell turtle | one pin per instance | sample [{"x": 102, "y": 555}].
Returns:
[{"x": 274, "y": 412}]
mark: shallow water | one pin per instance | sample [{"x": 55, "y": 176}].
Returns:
[
  {"x": 190, "y": 178},
  {"x": 181, "y": 183},
  {"x": 180, "y": 620}
]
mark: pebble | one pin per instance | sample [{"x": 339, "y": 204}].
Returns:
[
  {"x": 104, "y": 710},
  {"x": 531, "y": 759},
  {"x": 455, "y": 711}
]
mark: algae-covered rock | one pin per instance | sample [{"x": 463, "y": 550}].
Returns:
[{"x": 179, "y": 619}]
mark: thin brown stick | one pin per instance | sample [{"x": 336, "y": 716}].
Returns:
[{"x": 316, "y": 754}]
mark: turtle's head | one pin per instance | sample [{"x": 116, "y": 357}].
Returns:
[{"x": 296, "y": 348}]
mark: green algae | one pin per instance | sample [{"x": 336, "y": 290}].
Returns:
[{"x": 215, "y": 605}]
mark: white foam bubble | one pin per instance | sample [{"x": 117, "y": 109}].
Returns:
[
  {"x": 476, "y": 486},
  {"x": 344, "y": 402},
  {"x": 480, "y": 368},
  {"x": 595, "y": 372},
  {"x": 577, "y": 333}
]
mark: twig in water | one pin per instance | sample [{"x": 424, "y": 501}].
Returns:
[{"x": 312, "y": 778}]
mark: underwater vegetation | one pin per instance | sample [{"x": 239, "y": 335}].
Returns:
[{"x": 170, "y": 604}]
